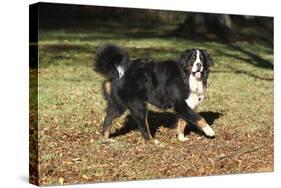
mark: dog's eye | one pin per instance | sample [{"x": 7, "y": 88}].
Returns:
[{"x": 193, "y": 58}]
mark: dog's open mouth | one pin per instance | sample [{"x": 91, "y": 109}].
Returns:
[{"x": 197, "y": 74}]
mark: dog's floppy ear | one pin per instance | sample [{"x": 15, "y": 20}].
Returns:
[{"x": 207, "y": 57}]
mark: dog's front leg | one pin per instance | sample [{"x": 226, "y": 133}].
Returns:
[
  {"x": 181, "y": 124},
  {"x": 191, "y": 116},
  {"x": 205, "y": 127}
]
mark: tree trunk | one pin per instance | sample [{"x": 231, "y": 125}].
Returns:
[{"x": 206, "y": 24}]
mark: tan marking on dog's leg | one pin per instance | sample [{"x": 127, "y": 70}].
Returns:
[
  {"x": 201, "y": 123},
  {"x": 205, "y": 127},
  {"x": 180, "y": 130},
  {"x": 106, "y": 134},
  {"x": 147, "y": 127},
  {"x": 107, "y": 85},
  {"x": 181, "y": 125},
  {"x": 151, "y": 139}
]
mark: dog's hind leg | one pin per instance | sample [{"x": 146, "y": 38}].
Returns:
[
  {"x": 138, "y": 111},
  {"x": 113, "y": 111},
  {"x": 106, "y": 89}
]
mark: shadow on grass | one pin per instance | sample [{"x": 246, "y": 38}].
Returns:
[
  {"x": 74, "y": 53},
  {"x": 164, "y": 119},
  {"x": 60, "y": 49},
  {"x": 253, "y": 59},
  {"x": 248, "y": 73},
  {"x": 68, "y": 52}
]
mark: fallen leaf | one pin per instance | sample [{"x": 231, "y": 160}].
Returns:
[
  {"x": 68, "y": 162},
  {"x": 99, "y": 172},
  {"x": 61, "y": 180},
  {"x": 85, "y": 176},
  {"x": 77, "y": 159},
  {"x": 92, "y": 141}
]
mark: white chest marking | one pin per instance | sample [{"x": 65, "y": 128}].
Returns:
[{"x": 197, "y": 91}]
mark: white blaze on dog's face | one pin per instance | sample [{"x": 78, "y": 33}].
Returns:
[{"x": 197, "y": 67}]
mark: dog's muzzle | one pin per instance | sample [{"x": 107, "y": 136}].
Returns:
[{"x": 198, "y": 69}]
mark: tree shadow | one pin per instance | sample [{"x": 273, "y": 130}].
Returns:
[
  {"x": 248, "y": 73},
  {"x": 59, "y": 51},
  {"x": 254, "y": 58},
  {"x": 164, "y": 119}
]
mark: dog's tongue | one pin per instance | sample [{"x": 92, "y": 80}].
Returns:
[{"x": 198, "y": 74}]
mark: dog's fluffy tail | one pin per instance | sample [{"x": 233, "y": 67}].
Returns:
[{"x": 112, "y": 61}]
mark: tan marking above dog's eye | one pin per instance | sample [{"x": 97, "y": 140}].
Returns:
[{"x": 188, "y": 67}]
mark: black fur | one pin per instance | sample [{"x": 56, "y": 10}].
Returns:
[
  {"x": 164, "y": 84},
  {"x": 109, "y": 56}
]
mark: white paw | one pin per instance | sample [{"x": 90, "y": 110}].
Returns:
[
  {"x": 156, "y": 142},
  {"x": 208, "y": 131},
  {"x": 182, "y": 138}
]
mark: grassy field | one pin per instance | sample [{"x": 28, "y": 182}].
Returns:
[{"x": 238, "y": 105}]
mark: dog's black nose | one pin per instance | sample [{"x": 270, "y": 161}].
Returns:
[{"x": 198, "y": 65}]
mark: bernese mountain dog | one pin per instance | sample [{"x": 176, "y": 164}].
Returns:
[{"x": 131, "y": 84}]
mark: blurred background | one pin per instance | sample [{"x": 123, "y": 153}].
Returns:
[{"x": 201, "y": 26}]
